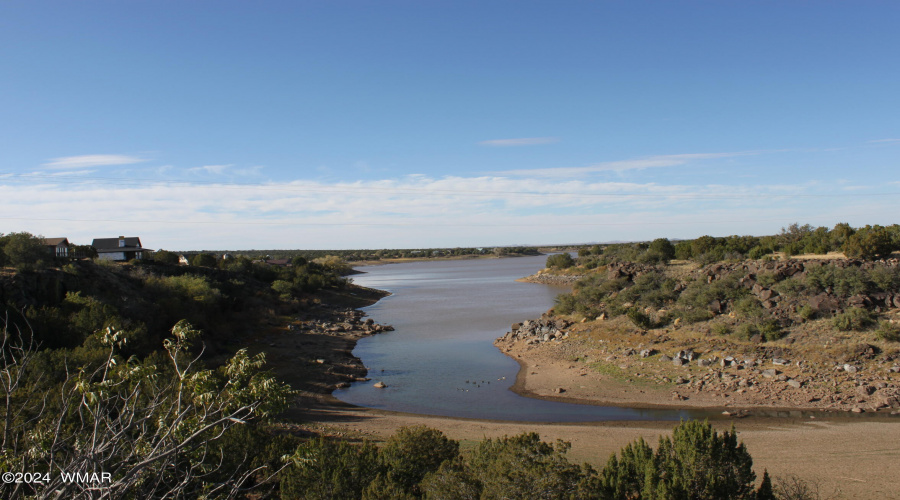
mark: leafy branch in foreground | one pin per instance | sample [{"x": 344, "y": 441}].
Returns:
[{"x": 155, "y": 428}]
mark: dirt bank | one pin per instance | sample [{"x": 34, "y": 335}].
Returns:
[
  {"x": 855, "y": 457},
  {"x": 611, "y": 362},
  {"x": 852, "y": 456}
]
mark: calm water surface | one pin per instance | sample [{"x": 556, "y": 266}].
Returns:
[{"x": 440, "y": 360}]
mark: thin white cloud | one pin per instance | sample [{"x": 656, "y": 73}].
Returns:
[
  {"x": 524, "y": 141},
  {"x": 249, "y": 172},
  {"x": 623, "y": 165},
  {"x": 210, "y": 169},
  {"x": 67, "y": 173},
  {"x": 884, "y": 140},
  {"x": 413, "y": 211},
  {"x": 85, "y": 161}
]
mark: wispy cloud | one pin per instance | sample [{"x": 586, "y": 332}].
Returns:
[
  {"x": 210, "y": 169},
  {"x": 85, "y": 161},
  {"x": 416, "y": 210},
  {"x": 884, "y": 140},
  {"x": 524, "y": 141},
  {"x": 623, "y": 165}
]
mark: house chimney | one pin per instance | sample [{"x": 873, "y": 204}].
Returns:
[{"x": 121, "y": 242}]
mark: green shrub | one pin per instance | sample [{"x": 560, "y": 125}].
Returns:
[
  {"x": 844, "y": 282},
  {"x": 746, "y": 331},
  {"x": 791, "y": 287},
  {"x": 720, "y": 328},
  {"x": 334, "y": 264},
  {"x": 807, "y": 312},
  {"x": 650, "y": 289},
  {"x": 758, "y": 252},
  {"x": 24, "y": 250},
  {"x": 327, "y": 469},
  {"x": 853, "y": 319},
  {"x": 283, "y": 288},
  {"x": 560, "y": 261},
  {"x": 699, "y": 294},
  {"x": 888, "y": 331},
  {"x": 564, "y": 303},
  {"x": 683, "y": 250},
  {"x": 766, "y": 279},
  {"x": 523, "y": 466},
  {"x": 870, "y": 242},
  {"x": 413, "y": 452},
  {"x": 770, "y": 330},
  {"x": 885, "y": 279},
  {"x": 696, "y": 462},
  {"x": 664, "y": 247},
  {"x": 749, "y": 308},
  {"x": 453, "y": 480},
  {"x": 165, "y": 256},
  {"x": 639, "y": 318},
  {"x": 689, "y": 316}
]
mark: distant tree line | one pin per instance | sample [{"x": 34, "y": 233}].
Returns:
[
  {"x": 869, "y": 242},
  {"x": 367, "y": 255}
]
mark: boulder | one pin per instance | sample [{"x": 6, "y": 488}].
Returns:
[
  {"x": 824, "y": 303},
  {"x": 379, "y": 385}
]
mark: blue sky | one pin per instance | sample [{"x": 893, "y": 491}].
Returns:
[{"x": 364, "y": 124}]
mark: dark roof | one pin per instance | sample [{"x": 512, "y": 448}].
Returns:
[
  {"x": 112, "y": 244},
  {"x": 55, "y": 241}
]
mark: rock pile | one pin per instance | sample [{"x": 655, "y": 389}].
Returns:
[
  {"x": 536, "y": 331},
  {"x": 825, "y": 303},
  {"x": 339, "y": 322},
  {"x": 553, "y": 279}
]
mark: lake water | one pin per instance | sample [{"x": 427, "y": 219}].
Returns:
[{"x": 441, "y": 360}]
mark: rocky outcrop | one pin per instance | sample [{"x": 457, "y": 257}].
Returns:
[
  {"x": 545, "y": 329},
  {"x": 545, "y": 278}
]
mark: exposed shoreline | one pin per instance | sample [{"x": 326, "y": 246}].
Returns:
[{"x": 815, "y": 450}]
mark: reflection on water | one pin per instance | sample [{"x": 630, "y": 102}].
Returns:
[{"x": 440, "y": 360}]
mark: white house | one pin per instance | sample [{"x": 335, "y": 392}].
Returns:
[{"x": 120, "y": 248}]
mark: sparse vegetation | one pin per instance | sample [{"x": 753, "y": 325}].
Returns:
[
  {"x": 888, "y": 331},
  {"x": 853, "y": 319}
]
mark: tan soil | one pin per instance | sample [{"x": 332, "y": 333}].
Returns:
[
  {"x": 856, "y": 457},
  {"x": 601, "y": 362}
]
